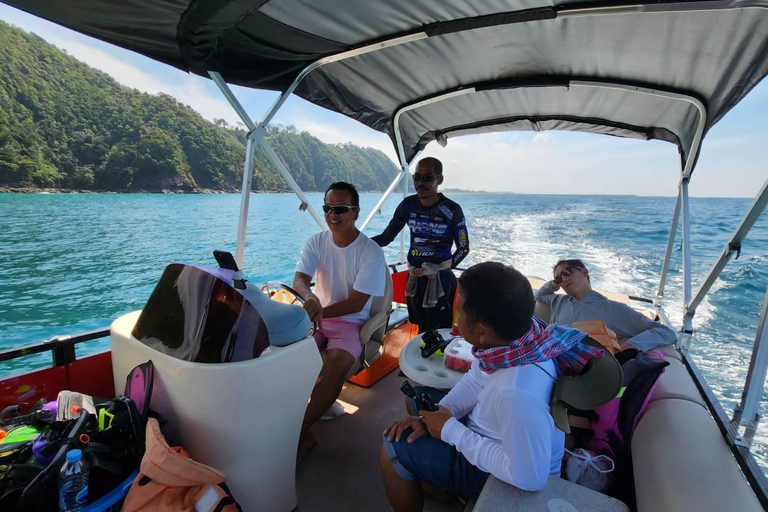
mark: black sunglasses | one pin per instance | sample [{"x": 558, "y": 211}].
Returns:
[
  {"x": 338, "y": 209},
  {"x": 426, "y": 178},
  {"x": 567, "y": 271}
]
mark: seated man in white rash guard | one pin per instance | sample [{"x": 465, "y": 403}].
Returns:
[{"x": 496, "y": 420}]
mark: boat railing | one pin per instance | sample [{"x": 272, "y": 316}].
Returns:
[
  {"x": 746, "y": 415},
  {"x": 739, "y": 429},
  {"x": 62, "y": 348}
]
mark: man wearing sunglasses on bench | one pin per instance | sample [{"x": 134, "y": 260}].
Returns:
[
  {"x": 349, "y": 270},
  {"x": 582, "y": 304},
  {"x": 436, "y": 224}
]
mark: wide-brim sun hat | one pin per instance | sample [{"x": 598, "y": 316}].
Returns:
[{"x": 598, "y": 383}]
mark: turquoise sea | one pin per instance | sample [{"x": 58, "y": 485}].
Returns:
[{"x": 74, "y": 262}]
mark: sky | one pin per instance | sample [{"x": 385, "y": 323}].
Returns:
[{"x": 733, "y": 161}]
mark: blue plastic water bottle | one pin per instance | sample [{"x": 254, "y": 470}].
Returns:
[{"x": 73, "y": 483}]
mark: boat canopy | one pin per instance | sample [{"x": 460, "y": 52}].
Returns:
[{"x": 660, "y": 70}]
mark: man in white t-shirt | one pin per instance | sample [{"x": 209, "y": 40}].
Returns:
[
  {"x": 349, "y": 270},
  {"x": 496, "y": 420}
]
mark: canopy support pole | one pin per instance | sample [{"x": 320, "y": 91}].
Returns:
[
  {"x": 684, "y": 337},
  {"x": 283, "y": 170},
  {"x": 245, "y": 189},
  {"x": 668, "y": 253},
  {"x": 747, "y": 412},
  {"x": 402, "y": 233},
  {"x": 732, "y": 246},
  {"x": 232, "y": 99},
  {"x": 256, "y": 136},
  {"x": 384, "y": 197},
  {"x": 336, "y": 58},
  {"x": 257, "y": 133},
  {"x": 245, "y": 198}
]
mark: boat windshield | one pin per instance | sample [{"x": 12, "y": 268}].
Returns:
[{"x": 196, "y": 315}]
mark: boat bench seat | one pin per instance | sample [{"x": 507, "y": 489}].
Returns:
[
  {"x": 498, "y": 496},
  {"x": 676, "y": 383},
  {"x": 542, "y": 311},
  {"x": 680, "y": 459},
  {"x": 671, "y": 353},
  {"x": 681, "y": 462}
]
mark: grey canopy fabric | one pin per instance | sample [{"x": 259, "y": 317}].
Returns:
[{"x": 515, "y": 65}]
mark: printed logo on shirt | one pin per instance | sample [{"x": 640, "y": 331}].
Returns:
[{"x": 427, "y": 227}]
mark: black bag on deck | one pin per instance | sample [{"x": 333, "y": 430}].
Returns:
[
  {"x": 611, "y": 425},
  {"x": 111, "y": 455}
]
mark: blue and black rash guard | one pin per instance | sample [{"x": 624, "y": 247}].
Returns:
[{"x": 434, "y": 229}]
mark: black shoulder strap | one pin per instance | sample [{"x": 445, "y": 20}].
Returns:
[{"x": 545, "y": 371}]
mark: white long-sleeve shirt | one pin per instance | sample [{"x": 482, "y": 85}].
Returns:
[
  {"x": 643, "y": 333},
  {"x": 509, "y": 431}
]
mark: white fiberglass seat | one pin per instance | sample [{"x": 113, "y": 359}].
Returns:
[
  {"x": 242, "y": 418},
  {"x": 374, "y": 330}
]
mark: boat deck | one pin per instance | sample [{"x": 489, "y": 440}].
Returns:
[{"x": 342, "y": 472}]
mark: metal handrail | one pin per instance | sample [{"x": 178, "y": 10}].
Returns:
[
  {"x": 63, "y": 347},
  {"x": 753, "y": 473},
  {"x": 640, "y": 299},
  {"x": 732, "y": 246},
  {"x": 668, "y": 252},
  {"x": 384, "y": 197}
]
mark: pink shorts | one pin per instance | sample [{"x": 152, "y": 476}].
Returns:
[{"x": 340, "y": 334}]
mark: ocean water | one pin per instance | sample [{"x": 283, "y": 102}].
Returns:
[{"x": 70, "y": 262}]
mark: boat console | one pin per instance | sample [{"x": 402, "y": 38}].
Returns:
[{"x": 233, "y": 375}]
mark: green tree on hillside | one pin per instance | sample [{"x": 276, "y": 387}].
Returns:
[{"x": 66, "y": 125}]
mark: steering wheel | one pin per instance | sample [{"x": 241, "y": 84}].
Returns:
[{"x": 282, "y": 293}]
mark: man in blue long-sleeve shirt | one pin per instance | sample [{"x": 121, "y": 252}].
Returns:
[{"x": 436, "y": 224}]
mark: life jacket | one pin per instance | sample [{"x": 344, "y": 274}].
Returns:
[
  {"x": 600, "y": 332},
  {"x": 169, "y": 481}
]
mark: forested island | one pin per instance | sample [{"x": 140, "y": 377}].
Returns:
[{"x": 68, "y": 126}]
